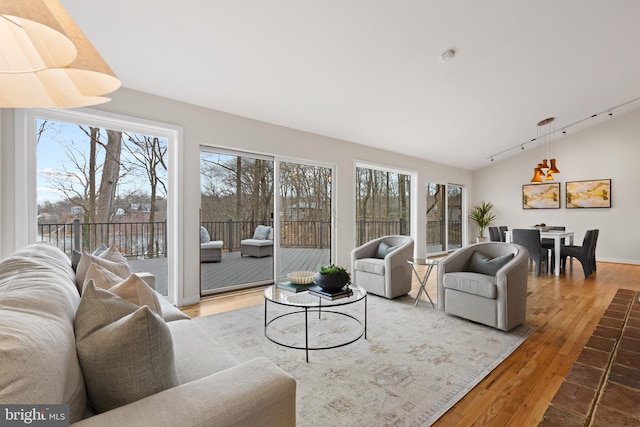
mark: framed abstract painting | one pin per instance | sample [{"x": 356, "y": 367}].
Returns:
[
  {"x": 541, "y": 196},
  {"x": 588, "y": 194}
]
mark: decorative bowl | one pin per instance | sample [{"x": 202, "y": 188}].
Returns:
[
  {"x": 301, "y": 277},
  {"x": 541, "y": 227}
]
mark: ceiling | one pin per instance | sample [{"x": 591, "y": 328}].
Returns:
[{"x": 369, "y": 71}]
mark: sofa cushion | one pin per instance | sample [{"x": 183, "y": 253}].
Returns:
[
  {"x": 197, "y": 352},
  {"x": 256, "y": 242},
  {"x": 126, "y": 351},
  {"x": 370, "y": 265},
  {"x": 384, "y": 249},
  {"x": 38, "y": 302},
  {"x": 483, "y": 264},
  {"x": 472, "y": 283},
  {"x": 110, "y": 259}
]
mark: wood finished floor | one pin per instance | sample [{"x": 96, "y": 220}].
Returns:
[{"x": 564, "y": 310}]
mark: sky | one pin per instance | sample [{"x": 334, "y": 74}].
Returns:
[{"x": 53, "y": 160}]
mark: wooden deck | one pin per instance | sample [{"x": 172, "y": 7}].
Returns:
[{"x": 235, "y": 271}]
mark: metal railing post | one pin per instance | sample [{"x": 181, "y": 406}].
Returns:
[
  {"x": 230, "y": 231},
  {"x": 77, "y": 235}
]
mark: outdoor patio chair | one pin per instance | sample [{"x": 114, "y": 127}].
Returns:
[
  {"x": 210, "y": 250},
  {"x": 260, "y": 245}
]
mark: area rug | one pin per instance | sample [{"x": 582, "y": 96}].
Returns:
[{"x": 415, "y": 364}]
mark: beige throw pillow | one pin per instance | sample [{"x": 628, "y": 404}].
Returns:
[
  {"x": 136, "y": 290},
  {"x": 125, "y": 351},
  {"x": 101, "y": 277},
  {"x": 110, "y": 259}
]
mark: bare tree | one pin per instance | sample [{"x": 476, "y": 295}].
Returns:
[{"x": 150, "y": 152}]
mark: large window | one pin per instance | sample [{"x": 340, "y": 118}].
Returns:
[
  {"x": 383, "y": 203},
  {"x": 100, "y": 180},
  {"x": 444, "y": 217}
]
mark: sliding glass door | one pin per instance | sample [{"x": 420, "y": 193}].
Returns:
[
  {"x": 236, "y": 214},
  {"x": 305, "y": 217},
  {"x": 444, "y": 217}
]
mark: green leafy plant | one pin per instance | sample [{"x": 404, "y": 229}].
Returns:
[
  {"x": 481, "y": 214},
  {"x": 337, "y": 270}
]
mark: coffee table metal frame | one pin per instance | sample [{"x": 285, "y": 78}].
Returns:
[
  {"x": 311, "y": 303},
  {"x": 430, "y": 263}
]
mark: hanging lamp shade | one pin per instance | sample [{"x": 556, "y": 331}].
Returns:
[
  {"x": 537, "y": 175},
  {"x": 544, "y": 165},
  {"x": 549, "y": 176},
  {"x": 553, "y": 168},
  {"x": 48, "y": 76}
]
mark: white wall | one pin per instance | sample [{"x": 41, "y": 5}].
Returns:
[
  {"x": 205, "y": 126},
  {"x": 610, "y": 149}
]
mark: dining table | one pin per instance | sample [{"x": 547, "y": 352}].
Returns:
[{"x": 557, "y": 236}]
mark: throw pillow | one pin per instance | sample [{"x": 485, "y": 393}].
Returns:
[
  {"x": 102, "y": 277},
  {"x": 204, "y": 235},
  {"x": 76, "y": 255},
  {"x": 136, "y": 290},
  {"x": 125, "y": 351},
  {"x": 384, "y": 249},
  {"x": 483, "y": 264},
  {"x": 110, "y": 259},
  {"x": 262, "y": 232}
]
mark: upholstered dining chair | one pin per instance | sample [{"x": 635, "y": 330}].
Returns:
[
  {"x": 586, "y": 253},
  {"x": 494, "y": 234},
  {"x": 380, "y": 266},
  {"x": 530, "y": 239},
  {"x": 550, "y": 243},
  {"x": 503, "y": 230},
  {"x": 485, "y": 283}
]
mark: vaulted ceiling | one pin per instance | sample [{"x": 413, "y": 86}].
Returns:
[{"x": 369, "y": 71}]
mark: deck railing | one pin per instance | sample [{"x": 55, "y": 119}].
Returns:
[{"x": 140, "y": 240}]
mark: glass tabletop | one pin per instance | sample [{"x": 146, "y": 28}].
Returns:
[
  {"x": 305, "y": 299},
  {"x": 423, "y": 261}
]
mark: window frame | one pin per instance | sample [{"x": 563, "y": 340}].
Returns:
[{"x": 25, "y": 209}]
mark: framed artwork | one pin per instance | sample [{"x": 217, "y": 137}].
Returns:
[
  {"x": 541, "y": 196},
  {"x": 588, "y": 194}
]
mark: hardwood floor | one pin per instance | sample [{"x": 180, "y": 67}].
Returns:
[{"x": 564, "y": 310}]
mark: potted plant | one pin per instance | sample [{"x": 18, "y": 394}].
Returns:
[
  {"x": 481, "y": 214},
  {"x": 332, "y": 278}
]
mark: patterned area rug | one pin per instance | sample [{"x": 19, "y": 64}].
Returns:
[{"x": 415, "y": 364}]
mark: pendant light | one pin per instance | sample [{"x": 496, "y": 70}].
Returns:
[{"x": 46, "y": 60}]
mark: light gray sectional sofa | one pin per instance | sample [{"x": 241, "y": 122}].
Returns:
[{"x": 192, "y": 380}]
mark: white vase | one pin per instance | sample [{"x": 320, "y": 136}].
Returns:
[{"x": 482, "y": 239}]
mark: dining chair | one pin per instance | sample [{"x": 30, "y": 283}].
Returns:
[
  {"x": 503, "y": 230},
  {"x": 549, "y": 243},
  {"x": 585, "y": 253},
  {"x": 494, "y": 234},
  {"x": 530, "y": 239}
]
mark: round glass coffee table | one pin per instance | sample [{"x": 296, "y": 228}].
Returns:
[{"x": 303, "y": 303}]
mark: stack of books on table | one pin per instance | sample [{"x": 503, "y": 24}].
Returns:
[
  {"x": 341, "y": 293},
  {"x": 295, "y": 288}
]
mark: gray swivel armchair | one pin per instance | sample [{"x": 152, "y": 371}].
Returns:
[
  {"x": 380, "y": 266},
  {"x": 485, "y": 283}
]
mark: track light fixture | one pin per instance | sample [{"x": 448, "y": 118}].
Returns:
[{"x": 564, "y": 128}]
